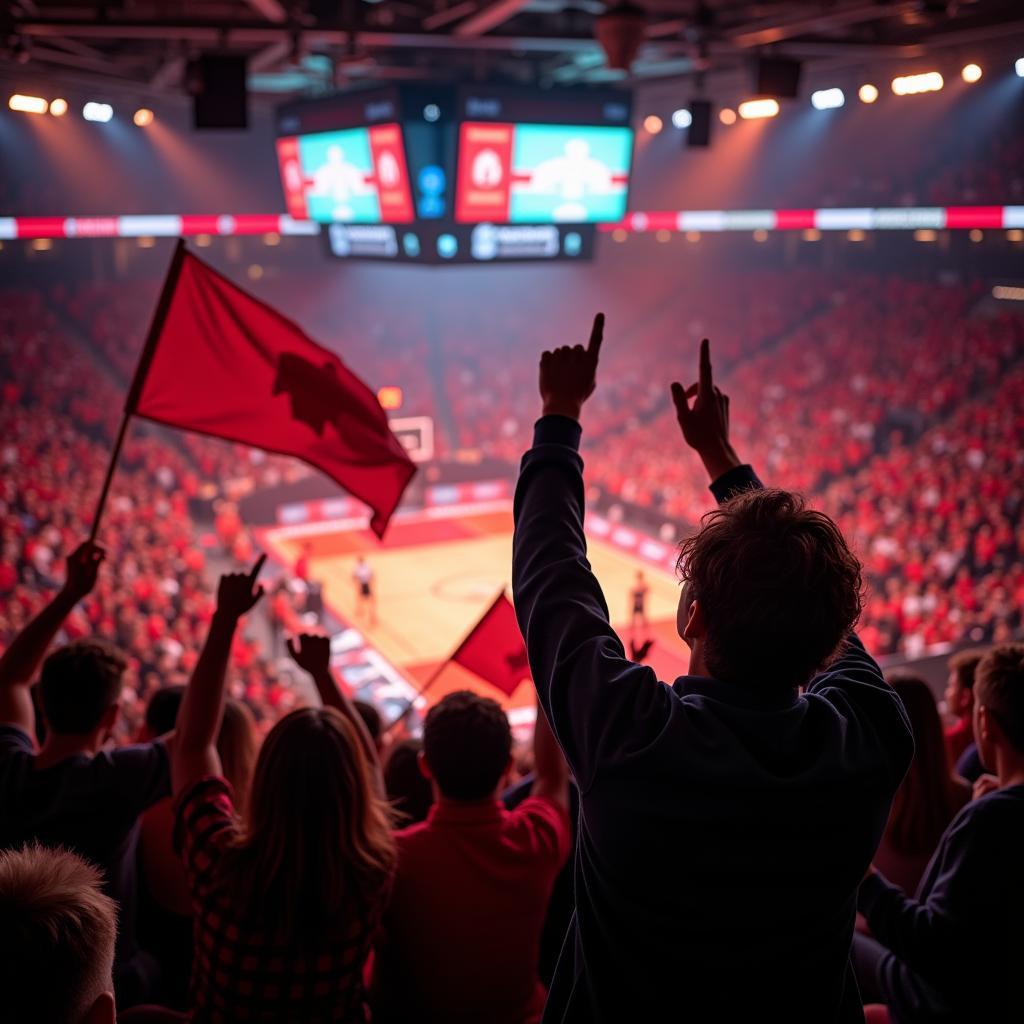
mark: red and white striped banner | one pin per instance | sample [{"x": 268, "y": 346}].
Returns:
[{"x": 897, "y": 218}]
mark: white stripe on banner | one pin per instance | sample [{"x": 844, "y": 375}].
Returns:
[
  {"x": 1013, "y": 216},
  {"x": 167, "y": 226},
  {"x": 749, "y": 220},
  {"x": 702, "y": 220},
  {"x": 902, "y": 218},
  {"x": 8, "y": 227},
  {"x": 290, "y": 226},
  {"x": 843, "y": 220}
]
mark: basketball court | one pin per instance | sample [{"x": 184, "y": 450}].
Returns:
[{"x": 435, "y": 575}]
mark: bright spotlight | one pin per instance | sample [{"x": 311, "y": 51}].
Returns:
[
  {"x": 827, "y": 99},
  {"x": 682, "y": 118},
  {"x": 652, "y": 124},
  {"x": 971, "y": 73},
  {"x": 28, "y": 104},
  {"x": 58, "y": 107},
  {"x": 143, "y": 116},
  {"x": 911, "y": 85},
  {"x": 727, "y": 115},
  {"x": 753, "y": 109},
  {"x": 431, "y": 112},
  {"x": 101, "y": 112},
  {"x": 1018, "y": 66},
  {"x": 868, "y": 93}
]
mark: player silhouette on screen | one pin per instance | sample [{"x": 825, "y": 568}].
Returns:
[
  {"x": 339, "y": 181},
  {"x": 572, "y": 176}
]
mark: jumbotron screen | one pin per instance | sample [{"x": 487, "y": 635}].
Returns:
[
  {"x": 348, "y": 176},
  {"x": 542, "y": 173}
]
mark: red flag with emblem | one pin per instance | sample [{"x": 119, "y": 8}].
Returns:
[
  {"x": 494, "y": 649},
  {"x": 222, "y": 363}
]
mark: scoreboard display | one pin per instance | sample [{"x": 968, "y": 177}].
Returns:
[
  {"x": 542, "y": 173},
  {"x": 442, "y": 173}
]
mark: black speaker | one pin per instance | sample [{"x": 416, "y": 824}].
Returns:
[
  {"x": 777, "y": 76},
  {"x": 220, "y": 94},
  {"x": 699, "y": 132}
]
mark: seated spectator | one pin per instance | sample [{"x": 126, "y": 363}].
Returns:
[
  {"x": 928, "y": 798},
  {"x": 73, "y": 792},
  {"x": 960, "y": 701},
  {"x": 56, "y": 940},
  {"x": 765, "y": 805},
  {"x": 955, "y": 951},
  {"x": 161, "y": 712},
  {"x": 288, "y": 898},
  {"x": 165, "y": 918},
  {"x": 408, "y": 789},
  {"x": 461, "y": 934}
]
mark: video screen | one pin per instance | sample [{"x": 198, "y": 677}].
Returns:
[
  {"x": 542, "y": 173},
  {"x": 349, "y": 176}
]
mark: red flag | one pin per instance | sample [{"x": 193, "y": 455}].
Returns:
[
  {"x": 222, "y": 363},
  {"x": 494, "y": 649}
]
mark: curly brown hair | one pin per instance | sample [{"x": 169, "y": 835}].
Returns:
[{"x": 778, "y": 585}]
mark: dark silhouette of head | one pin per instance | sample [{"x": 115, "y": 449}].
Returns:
[{"x": 80, "y": 687}]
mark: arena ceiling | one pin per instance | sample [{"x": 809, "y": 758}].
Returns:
[{"x": 310, "y": 46}]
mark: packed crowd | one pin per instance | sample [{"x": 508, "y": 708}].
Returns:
[
  {"x": 59, "y": 416},
  {"x": 326, "y": 872}
]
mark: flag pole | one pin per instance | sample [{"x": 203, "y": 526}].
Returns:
[
  {"x": 139, "y": 378},
  {"x": 436, "y": 674}
]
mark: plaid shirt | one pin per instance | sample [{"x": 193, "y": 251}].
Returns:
[{"x": 240, "y": 973}]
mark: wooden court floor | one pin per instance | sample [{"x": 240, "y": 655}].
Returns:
[{"x": 434, "y": 578}]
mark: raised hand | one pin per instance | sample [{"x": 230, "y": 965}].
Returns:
[
  {"x": 705, "y": 423},
  {"x": 238, "y": 591},
  {"x": 83, "y": 567},
  {"x": 568, "y": 375},
  {"x": 312, "y": 653}
]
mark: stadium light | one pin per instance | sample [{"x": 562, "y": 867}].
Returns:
[
  {"x": 727, "y": 115},
  {"x": 101, "y": 112},
  {"x": 971, "y": 73},
  {"x": 682, "y": 118},
  {"x": 58, "y": 107},
  {"x": 618, "y": 235},
  {"x": 868, "y": 93},
  {"x": 653, "y": 124},
  {"x": 28, "y": 104},
  {"x": 828, "y": 99},
  {"x": 911, "y": 85},
  {"x": 1018, "y": 66},
  {"x": 143, "y": 117},
  {"x": 754, "y": 109}
]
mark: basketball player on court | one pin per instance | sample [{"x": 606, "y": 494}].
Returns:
[
  {"x": 639, "y": 596},
  {"x": 366, "y": 601}
]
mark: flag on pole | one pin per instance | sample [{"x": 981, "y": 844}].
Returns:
[
  {"x": 222, "y": 363},
  {"x": 494, "y": 649}
]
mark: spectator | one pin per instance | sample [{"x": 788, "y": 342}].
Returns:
[
  {"x": 57, "y": 939},
  {"x": 287, "y": 899},
  {"x": 165, "y": 920},
  {"x": 408, "y": 789},
  {"x": 461, "y": 936},
  {"x": 371, "y": 719},
  {"x": 960, "y": 701},
  {"x": 929, "y": 796},
  {"x": 953, "y": 952},
  {"x": 768, "y": 804},
  {"x": 72, "y": 792}
]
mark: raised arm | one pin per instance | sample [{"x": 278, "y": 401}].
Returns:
[
  {"x": 20, "y": 662},
  {"x": 584, "y": 681},
  {"x": 202, "y": 708},
  {"x": 313, "y": 653}
]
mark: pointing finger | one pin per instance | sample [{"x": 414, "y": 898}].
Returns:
[
  {"x": 596, "y": 336},
  {"x": 705, "y": 381}
]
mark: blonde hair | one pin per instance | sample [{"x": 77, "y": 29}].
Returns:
[
  {"x": 316, "y": 840},
  {"x": 58, "y": 936}
]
